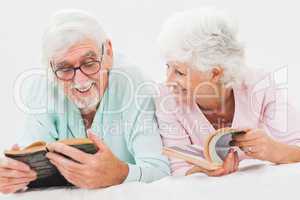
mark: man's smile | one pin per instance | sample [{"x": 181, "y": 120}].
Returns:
[{"x": 86, "y": 88}]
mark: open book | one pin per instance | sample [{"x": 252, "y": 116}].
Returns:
[
  {"x": 47, "y": 174},
  {"x": 211, "y": 155}
]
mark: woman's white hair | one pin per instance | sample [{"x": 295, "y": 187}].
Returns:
[
  {"x": 204, "y": 38},
  {"x": 67, "y": 28}
]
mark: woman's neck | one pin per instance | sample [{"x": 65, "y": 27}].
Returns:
[
  {"x": 220, "y": 111},
  {"x": 219, "y": 104}
]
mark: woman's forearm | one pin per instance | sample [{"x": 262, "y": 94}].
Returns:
[{"x": 288, "y": 154}]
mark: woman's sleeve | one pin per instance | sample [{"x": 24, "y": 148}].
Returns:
[
  {"x": 280, "y": 118},
  {"x": 171, "y": 130}
]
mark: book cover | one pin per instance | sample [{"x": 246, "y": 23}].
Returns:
[{"x": 47, "y": 174}]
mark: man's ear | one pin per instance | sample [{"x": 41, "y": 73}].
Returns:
[
  {"x": 108, "y": 54},
  {"x": 216, "y": 74},
  {"x": 108, "y": 50}
]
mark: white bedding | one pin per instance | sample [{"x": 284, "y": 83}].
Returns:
[{"x": 255, "y": 180}]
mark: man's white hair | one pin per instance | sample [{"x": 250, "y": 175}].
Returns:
[
  {"x": 204, "y": 38},
  {"x": 68, "y": 27}
]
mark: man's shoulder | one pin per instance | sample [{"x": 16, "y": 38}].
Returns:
[
  {"x": 129, "y": 88},
  {"x": 38, "y": 94},
  {"x": 131, "y": 74}
]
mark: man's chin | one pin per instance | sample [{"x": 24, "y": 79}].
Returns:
[{"x": 85, "y": 103}]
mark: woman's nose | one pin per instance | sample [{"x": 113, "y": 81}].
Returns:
[{"x": 170, "y": 76}]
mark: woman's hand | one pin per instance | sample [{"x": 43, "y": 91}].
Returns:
[
  {"x": 230, "y": 165},
  {"x": 258, "y": 145}
]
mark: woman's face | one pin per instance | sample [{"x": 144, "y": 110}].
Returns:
[{"x": 192, "y": 85}]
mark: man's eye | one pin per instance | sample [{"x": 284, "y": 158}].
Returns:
[
  {"x": 90, "y": 64},
  {"x": 65, "y": 69}
]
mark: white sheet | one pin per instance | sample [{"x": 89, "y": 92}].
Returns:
[{"x": 255, "y": 180}]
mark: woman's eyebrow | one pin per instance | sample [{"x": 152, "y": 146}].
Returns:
[{"x": 178, "y": 68}]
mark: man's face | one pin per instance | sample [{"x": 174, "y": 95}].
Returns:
[{"x": 84, "y": 90}]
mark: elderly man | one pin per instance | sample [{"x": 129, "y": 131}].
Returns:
[{"x": 99, "y": 100}]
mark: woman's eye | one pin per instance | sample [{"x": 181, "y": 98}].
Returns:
[{"x": 179, "y": 73}]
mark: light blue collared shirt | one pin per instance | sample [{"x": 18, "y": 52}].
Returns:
[{"x": 125, "y": 119}]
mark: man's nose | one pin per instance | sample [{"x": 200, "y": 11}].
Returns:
[{"x": 80, "y": 77}]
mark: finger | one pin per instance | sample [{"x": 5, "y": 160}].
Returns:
[
  {"x": 73, "y": 178},
  {"x": 228, "y": 164},
  {"x": 250, "y": 135},
  {"x": 254, "y": 153},
  {"x": 61, "y": 169},
  {"x": 65, "y": 170},
  {"x": 15, "y": 147},
  {"x": 13, "y": 181},
  {"x": 217, "y": 172},
  {"x": 236, "y": 162},
  {"x": 69, "y": 151},
  {"x": 98, "y": 142},
  {"x": 75, "y": 181},
  {"x": 245, "y": 129},
  {"x": 248, "y": 143},
  {"x": 14, "y": 188},
  {"x": 9, "y": 163},
  {"x": 10, "y": 173},
  {"x": 197, "y": 169},
  {"x": 251, "y": 149},
  {"x": 64, "y": 162}
]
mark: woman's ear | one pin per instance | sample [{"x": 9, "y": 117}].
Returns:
[{"x": 216, "y": 74}]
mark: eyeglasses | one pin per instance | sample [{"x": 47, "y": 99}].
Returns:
[{"x": 88, "y": 68}]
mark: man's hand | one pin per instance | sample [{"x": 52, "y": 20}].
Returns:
[
  {"x": 91, "y": 171},
  {"x": 14, "y": 175},
  {"x": 258, "y": 145},
  {"x": 230, "y": 165}
]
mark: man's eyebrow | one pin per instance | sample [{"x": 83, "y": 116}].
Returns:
[
  {"x": 62, "y": 64},
  {"x": 89, "y": 54}
]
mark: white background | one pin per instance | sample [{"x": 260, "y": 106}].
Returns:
[{"x": 270, "y": 30}]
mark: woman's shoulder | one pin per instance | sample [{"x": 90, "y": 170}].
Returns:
[
  {"x": 254, "y": 77},
  {"x": 258, "y": 85},
  {"x": 164, "y": 100}
]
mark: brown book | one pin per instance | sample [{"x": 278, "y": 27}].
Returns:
[
  {"x": 47, "y": 173},
  {"x": 211, "y": 156}
]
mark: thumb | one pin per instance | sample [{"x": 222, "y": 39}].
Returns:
[
  {"x": 97, "y": 141},
  {"x": 196, "y": 169},
  {"x": 15, "y": 147}
]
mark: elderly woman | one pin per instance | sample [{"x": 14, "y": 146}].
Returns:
[{"x": 209, "y": 87}]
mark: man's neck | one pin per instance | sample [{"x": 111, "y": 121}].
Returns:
[{"x": 88, "y": 116}]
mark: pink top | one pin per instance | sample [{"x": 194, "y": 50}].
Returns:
[{"x": 259, "y": 103}]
